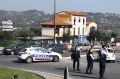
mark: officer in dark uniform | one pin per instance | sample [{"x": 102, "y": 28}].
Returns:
[
  {"x": 102, "y": 54},
  {"x": 75, "y": 56},
  {"x": 90, "y": 60}
]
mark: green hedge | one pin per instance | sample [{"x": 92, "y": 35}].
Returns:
[{"x": 8, "y": 42}]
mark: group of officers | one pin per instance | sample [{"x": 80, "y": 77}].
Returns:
[{"x": 102, "y": 54}]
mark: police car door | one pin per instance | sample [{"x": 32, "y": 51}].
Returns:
[
  {"x": 35, "y": 53},
  {"x": 44, "y": 54}
]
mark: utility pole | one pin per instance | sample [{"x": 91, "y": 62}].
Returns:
[{"x": 54, "y": 21}]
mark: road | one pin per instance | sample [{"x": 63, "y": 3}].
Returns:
[{"x": 112, "y": 69}]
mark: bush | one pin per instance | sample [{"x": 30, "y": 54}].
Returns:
[{"x": 8, "y": 42}]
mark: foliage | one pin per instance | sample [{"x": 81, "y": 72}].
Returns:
[
  {"x": 117, "y": 40},
  {"x": 92, "y": 36},
  {"x": 9, "y": 37},
  {"x": 66, "y": 37},
  {"x": 114, "y": 34},
  {"x": 25, "y": 33},
  {"x": 99, "y": 36},
  {"x": 37, "y": 31}
]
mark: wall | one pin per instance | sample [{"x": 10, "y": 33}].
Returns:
[{"x": 47, "y": 31}]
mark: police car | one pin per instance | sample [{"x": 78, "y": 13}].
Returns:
[
  {"x": 37, "y": 54},
  {"x": 111, "y": 55}
]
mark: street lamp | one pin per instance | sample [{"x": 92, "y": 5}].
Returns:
[{"x": 54, "y": 21}]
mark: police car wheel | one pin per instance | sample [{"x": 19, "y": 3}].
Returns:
[
  {"x": 29, "y": 60},
  {"x": 55, "y": 59}
]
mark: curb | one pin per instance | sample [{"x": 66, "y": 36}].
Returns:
[{"x": 45, "y": 75}]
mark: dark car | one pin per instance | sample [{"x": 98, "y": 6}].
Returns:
[
  {"x": 13, "y": 49},
  {"x": 56, "y": 47}
]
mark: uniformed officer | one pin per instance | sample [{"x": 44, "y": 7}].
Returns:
[
  {"x": 102, "y": 54},
  {"x": 75, "y": 56},
  {"x": 90, "y": 60}
]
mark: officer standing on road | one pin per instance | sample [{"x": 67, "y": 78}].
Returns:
[
  {"x": 102, "y": 54},
  {"x": 75, "y": 56},
  {"x": 90, "y": 61}
]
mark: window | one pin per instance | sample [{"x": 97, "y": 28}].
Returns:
[
  {"x": 79, "y": 20},
  {"x": 34, "y": 50},
  {"x": 83, "y": 21},
  {"x": 78, "y": 30},
  {"x": 74, "y": 20},
  {"x": 44, "y": 50},
  {"x": 83, "y": 30}
]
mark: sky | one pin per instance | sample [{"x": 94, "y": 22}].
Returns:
[{"x": 103, "y": 6}]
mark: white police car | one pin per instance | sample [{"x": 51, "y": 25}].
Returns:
[
  {"x": 111, "y": 55},
  {"x": 38, "y": 53}
]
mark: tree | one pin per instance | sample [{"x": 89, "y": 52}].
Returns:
[
  {"x": 37, "y": 31},
  {"x": 66, "y": 37},
  {"x": 25, "y": 34},
  {"x": 113, "y": 34},
  {"x": 92, "y": 37}
]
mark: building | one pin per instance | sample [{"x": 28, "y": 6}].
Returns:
[
  {"x": 68, "y": 21},
  {"x": 7, "y": 25},
  {"x": 90, "y": 25}
]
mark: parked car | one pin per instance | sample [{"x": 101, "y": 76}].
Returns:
[
  {"x": 13, "y": 49},
  {"x": 56, "y": 47},
  {"x": 31, "y": 54},
  {"x": 83, "y": 47}
]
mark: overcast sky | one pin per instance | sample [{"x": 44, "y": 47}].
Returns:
[{"x": 104, "y": 6}]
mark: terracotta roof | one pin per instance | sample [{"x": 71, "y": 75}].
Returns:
[
  {"x": 56, "y": 23},
  {"x": 75, "y": 13}
]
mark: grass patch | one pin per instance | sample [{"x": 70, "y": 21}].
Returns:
[{"x": 7, "y": 73}]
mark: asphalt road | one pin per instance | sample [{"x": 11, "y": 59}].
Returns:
[{"x": 112, "y": 69}]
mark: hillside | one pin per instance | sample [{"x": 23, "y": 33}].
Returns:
[
  {"x": 25, "y": 18},
  {"x": 106, "y": 21}
]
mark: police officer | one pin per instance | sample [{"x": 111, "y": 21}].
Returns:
[
  {"x": 102, "y": 54},
  {"x": 90, "y": 60},
  {"x": 75, "y": 56}
]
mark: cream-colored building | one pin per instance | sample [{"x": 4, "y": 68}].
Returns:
[
  {"x": 68, "y": 21},
  {"x": 90, "y": 25}
]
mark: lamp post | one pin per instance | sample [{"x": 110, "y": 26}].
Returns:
[{"x": 54, "y": 21}]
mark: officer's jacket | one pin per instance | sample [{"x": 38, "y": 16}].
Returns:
[
  {"x": 90, "y": 56},
  {"x": 101, "y": 55},
  {"x": 75, "y": 54}
]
